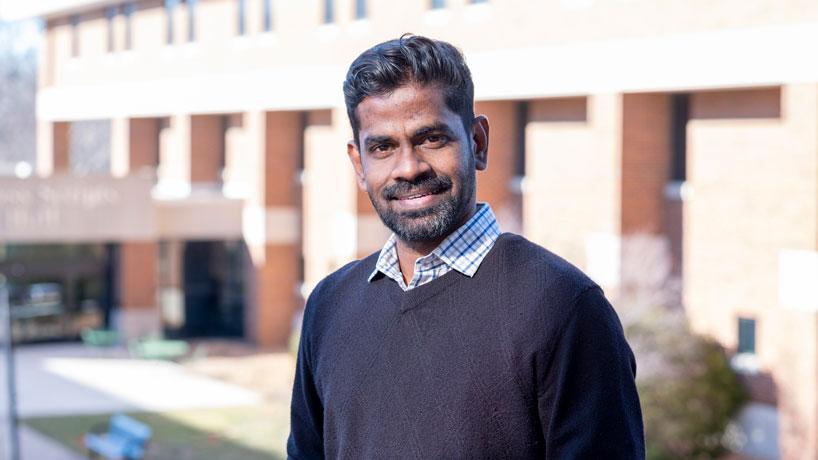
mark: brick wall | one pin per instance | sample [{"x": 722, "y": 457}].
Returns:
[
  {"x": 753, "y": 167},
  {"x": 646, "y": 142}
]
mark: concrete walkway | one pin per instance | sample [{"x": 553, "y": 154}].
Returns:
[{"x": 68, "y": 379}]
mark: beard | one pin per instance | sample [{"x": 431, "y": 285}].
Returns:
[{"x": 429, "y": 223}]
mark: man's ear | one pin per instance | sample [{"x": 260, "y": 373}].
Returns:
[
  {"x": 480, "y": 142},
  {"x": 355, "y": 157}
]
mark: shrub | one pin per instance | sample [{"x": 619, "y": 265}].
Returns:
[{"x": 689, "y": 392}]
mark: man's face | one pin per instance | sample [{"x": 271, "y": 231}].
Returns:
[{"x": 417, "y": 162}]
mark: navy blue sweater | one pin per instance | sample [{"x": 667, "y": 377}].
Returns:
[{"x": 526, "y": 360}]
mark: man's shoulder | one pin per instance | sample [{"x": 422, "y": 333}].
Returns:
[{"x": 521, "y": 255}]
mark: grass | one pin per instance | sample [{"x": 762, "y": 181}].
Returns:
[{"x": 246, "y": 433}]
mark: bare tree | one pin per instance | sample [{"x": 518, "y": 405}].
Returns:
[{"x": 17, "y": 92}]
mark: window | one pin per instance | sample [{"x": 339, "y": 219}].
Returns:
[
  {"x": 191, "y": 20},
  {"x": 75, "y": 35},
  {"x": 746, "y": 335},
  {"x": 241, "y": 27},
  {"x": 360, "y": 9},
  {"x": 170, "y": 6},
  {"x": 437, "y": 4},
  {"x": 329, "y": 11},
  {"x": 110, "y": 14},
  {"x": 128, "y": 12},
  {"x": 268, "y": 15},
  {"x": 681, "y": 114}
]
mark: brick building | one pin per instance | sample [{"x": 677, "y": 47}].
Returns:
[{"x": 693, "y": 121}]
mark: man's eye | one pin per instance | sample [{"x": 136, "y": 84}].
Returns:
[
  {"x": 380, "y": 148},
  {"x": 439, "y": 140}
]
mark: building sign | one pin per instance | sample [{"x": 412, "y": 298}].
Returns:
[{"x": 63, "y": 209}]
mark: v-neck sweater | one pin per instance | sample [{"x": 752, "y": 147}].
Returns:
[{"x": 524, "y": 360}]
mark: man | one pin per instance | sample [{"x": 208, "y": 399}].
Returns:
[{"x": 454, "y": 341}]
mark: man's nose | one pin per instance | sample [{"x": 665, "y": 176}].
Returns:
[{"x": 409, "y": 164}]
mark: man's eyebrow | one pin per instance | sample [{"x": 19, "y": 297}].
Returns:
[
  {"x": 369, "y": 141},
  {"x": 434, "y": 128}
]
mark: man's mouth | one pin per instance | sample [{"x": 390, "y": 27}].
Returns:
[{"x": 416, "y": 195}]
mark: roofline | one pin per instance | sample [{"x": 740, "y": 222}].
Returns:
[{"x": 14, "y": 10}]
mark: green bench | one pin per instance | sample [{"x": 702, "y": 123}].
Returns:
[
  {"x": 160, "y": 349},
  {"x": 100, "y": 337}
]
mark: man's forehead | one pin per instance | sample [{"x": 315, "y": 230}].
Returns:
[{"x": 405, "y": 107}]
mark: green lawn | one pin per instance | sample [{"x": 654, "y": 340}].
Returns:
[{"x": 246, "y": 433}]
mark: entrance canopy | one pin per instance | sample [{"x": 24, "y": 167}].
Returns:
[{"x": 68, "y": 209}]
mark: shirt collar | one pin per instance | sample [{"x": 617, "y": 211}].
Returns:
[{"x": 463, "y": 250}]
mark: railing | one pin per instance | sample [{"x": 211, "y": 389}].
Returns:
[{"x": 9, "y": 441}]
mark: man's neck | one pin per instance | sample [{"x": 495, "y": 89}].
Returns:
[{"x": 410, "y": 251}]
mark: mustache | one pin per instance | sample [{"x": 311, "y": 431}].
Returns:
[{"x": 424, "y": 184}]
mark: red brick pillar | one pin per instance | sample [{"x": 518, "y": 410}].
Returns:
[{"x": 138, "y": 314}]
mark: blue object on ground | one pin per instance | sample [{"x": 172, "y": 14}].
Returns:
[{"x": 125, "y": 440}]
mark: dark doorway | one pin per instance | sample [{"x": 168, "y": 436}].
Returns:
[{"x": 213, "y": 289}]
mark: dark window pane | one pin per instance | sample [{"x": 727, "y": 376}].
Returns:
[
  {"x": 170, "y": 5},
  {"x": 681, "y": 113},
  {"x": 360, "y": 9},
  {"x": 128, "y": 11},
  {"x": 746, "y": 335},
  {"x": 110, "y": 14},
  {"x": 191, "y": 20},
  {"x": 242, "y": 11},
  {"x": 268, "y": 15},
  {"x": 75, "y": 35},
  {"x": 329, "y": 11}
]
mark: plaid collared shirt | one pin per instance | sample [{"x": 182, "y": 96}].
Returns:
[{"x": 463, "y": 251}]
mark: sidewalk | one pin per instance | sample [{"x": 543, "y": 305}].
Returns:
[{"x": 69, "y": 379}]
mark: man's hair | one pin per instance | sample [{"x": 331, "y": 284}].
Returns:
[{"x": 411, "y": 59}]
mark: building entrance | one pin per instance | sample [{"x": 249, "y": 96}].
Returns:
[{"x": 213, "y": 289}]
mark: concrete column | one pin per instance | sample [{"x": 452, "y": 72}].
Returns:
[
  {"x": 171, "y": 284},
  {"x": 52, "y": 147},
  {"x": 571, "y": 200},
  {"x": 238, "y": 174},
  {"x": 120, "y": 147},
  {"x": 330, "y": 195},
  {"x": 174, "y": 172}
]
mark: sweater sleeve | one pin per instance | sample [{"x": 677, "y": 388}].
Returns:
[
  {"x": 588, "y": 404},
  {"x": 306, "y": 441}
]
